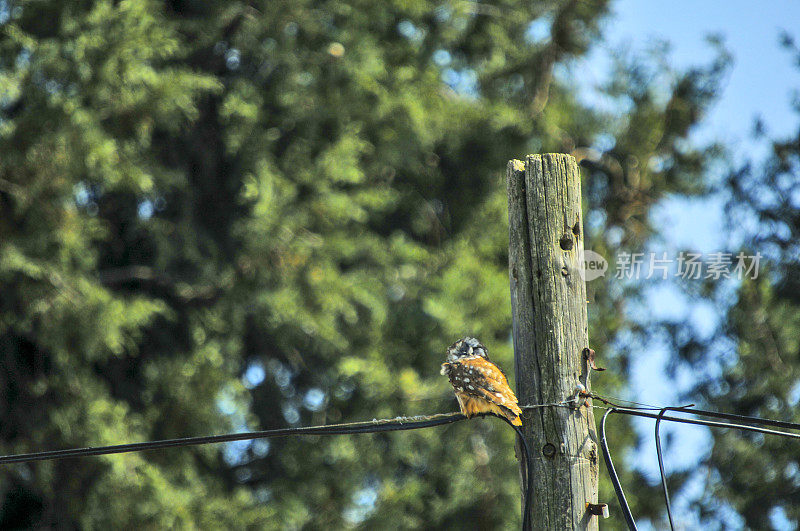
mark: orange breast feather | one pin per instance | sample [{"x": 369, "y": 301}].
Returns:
[{"x": 481, "y": 387}]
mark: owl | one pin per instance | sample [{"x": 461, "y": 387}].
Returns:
[{"x": 480, "y": 385}]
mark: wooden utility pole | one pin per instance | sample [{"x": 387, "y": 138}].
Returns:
[{"x": 548, "y": 298}]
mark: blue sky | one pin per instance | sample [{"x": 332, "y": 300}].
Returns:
[
  {"x": 762, "y": 80},
  {"x": 761, "y": 83}
]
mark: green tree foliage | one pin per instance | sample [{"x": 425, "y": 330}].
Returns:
[
  {"x": 236, "y": 215},
  {"x": 757, "y": 346}
]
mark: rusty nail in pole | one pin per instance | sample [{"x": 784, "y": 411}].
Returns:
[
  {"x": 598, "y": 509},
  {"x": 589, "y": 354}
]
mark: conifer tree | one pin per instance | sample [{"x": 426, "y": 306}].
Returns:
[{"x": 244, "y": 215}]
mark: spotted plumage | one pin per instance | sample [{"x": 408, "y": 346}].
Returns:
[{"x": 480, "y": 386}]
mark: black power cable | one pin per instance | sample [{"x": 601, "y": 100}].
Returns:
[
  {"x": 639, "y": 412},
  {"x": 418, "y": 422},
  {"x": 375, "y": 426},
  {"x": 526, "y": 508},
  {"x": 399, "y": 423},
  {"x": 612, "y": 472},
  {"x": 711, "y": 423},
  {"x": 746, "y": 419}
]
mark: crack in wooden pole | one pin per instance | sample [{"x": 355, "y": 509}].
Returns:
[{"x": 548, "y": 297}]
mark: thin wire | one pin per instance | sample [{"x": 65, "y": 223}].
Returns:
[
  {"x": 661, "y": 467},
  {"x": 612, "y": 472},
  {"x": 608, "y": 400},
  {"x": 565, "y": 403},
  {"x": 611, "y": 400},
  {"x": 661, "y": 462}
]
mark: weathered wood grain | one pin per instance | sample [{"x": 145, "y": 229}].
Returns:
[{"x": 548, "y": 297}]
